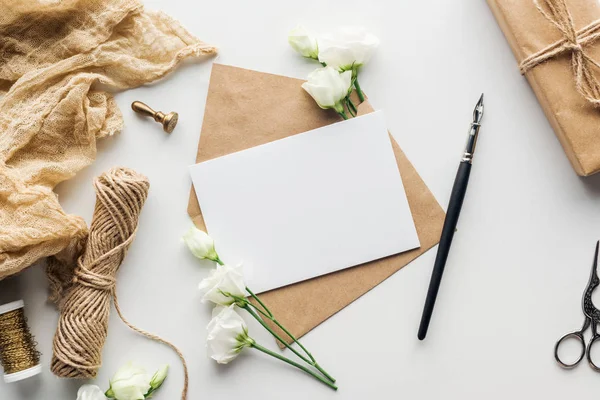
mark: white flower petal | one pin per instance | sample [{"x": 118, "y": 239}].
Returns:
[
  {"x": 227, "y": 335},
  {"x": 327, "y": 87},
  {"x": 130, "y": 382},
  {"x": 223, "y": 279},
  {"x": 90, "y": 392},
  {"x": 347, "y": 48}
]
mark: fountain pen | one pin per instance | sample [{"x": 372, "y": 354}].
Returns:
[{"x": 456, "y": 200}]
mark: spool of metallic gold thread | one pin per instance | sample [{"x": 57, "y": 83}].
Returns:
[{"x": 18, "y": 354}]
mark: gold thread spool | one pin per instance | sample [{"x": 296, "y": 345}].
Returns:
[{"x": 18, "y": 354}]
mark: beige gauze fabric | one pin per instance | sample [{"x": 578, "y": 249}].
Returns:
[{"x": 59, "y": 60}]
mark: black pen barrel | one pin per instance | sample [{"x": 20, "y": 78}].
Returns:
[{"x": 454, "y": 206}]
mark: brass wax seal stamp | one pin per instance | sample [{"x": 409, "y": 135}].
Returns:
[{"x": 168, "y": 121}]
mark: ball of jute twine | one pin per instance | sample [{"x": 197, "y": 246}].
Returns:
[{"x": 83, "y": 322}]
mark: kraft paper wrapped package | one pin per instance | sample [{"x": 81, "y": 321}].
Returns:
[
  {"x": 247, "y": 108},
  {"x": 556, "y": 46}
]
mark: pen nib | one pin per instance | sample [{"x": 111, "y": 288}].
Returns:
[{"x": 478, "y": 111}]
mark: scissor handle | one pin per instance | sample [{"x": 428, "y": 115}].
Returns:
[
  {"x": 595, "y": 338},
  {"x": 579, "y": 336}
]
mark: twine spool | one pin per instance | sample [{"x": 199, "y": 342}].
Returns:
[
  {"x": 83, "y": 323},
  {"x": 18, "y": 354}
]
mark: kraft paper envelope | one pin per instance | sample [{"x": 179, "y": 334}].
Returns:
[{"x": 248, "y": 108}]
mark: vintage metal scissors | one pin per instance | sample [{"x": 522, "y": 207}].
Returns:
[{"x": 592, "y": 318}]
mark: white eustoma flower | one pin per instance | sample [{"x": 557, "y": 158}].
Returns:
[
  {"x": 130, "y": 382},
  {"x": 227, "y": 335},
  {"x": 200, "y": 244},
  {"x": 348, "y": 48},
  {"x": 303, "y": 42},
  {"x": 222, "y": 283},
  {"x": 90, "y": 392},
  {"x": 328, "y": 87}
]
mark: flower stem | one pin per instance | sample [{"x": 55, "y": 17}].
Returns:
[
  {"x": 359, "y": 91},
  {"x": 343, "y": 114},
  {"x": 272, "y": 332},
  {"x": 351, "y": 106},
  {"x": 218, "y": 261},
  {"x": 255, "y": 297},
  {"x": 246, "y": 305},
  {"x": 293, "y": 363},
  {"x": 270, "y": 317}
]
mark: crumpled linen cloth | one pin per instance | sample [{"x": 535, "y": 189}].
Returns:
[{"x": 59, "y": 60}]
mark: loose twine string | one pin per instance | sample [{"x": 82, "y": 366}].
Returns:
[
  {"x": 17, "y": 346},
  {"x": 573, "y": 41},
  {"x": 83, "y": 322}
]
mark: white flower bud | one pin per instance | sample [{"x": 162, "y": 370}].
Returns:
[
  {"x": 159, "y": 377},
  {"x": 200, "y": 244},
  {"x": 303, "y": 42}
]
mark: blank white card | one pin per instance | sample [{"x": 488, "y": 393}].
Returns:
[{"x": 307, "y": 205}]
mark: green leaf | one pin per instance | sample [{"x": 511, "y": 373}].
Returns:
[{"x": 110, "y": 394}]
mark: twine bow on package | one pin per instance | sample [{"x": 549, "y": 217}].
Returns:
[
  {"x": 53, "y": 56},
  {"x": 557, "y": 45}
]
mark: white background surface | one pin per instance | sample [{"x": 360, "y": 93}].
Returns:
[
  {"x": 328, "y": 175},
  {"x": 518, "y": 265}
]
